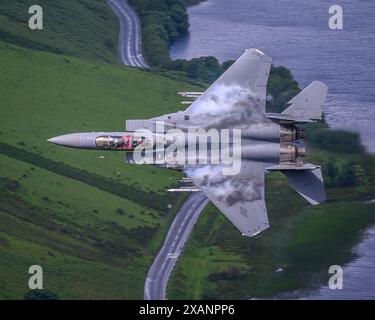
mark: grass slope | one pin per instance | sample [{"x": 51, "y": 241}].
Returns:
[
  {"x": 96, "y": 224},
  {"x": 93, "y": 224},
  {"x": 64, "y": 94},
  {"x": 83, "y": 28}
]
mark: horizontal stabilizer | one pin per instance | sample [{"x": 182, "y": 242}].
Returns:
[
  {"x": 290, "y": 167},
  {"x": 288, "y": 119},
  {"x": 308, "y": 183},
  {"x": 308, "y": 104}
]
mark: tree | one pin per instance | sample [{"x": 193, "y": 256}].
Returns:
[
  {"x": 348, "y": 176},
  {"x": 331, "y": 174}
]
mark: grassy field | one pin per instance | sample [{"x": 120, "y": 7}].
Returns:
[
  {"x": 63, "y": 94},
  {"x": 83, "y": 28},
  {"x": 94, "y": 224}
]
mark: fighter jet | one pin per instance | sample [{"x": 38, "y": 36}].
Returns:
[{"x": 234, "y": 103}]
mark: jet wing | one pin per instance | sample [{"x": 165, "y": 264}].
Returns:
[
  {"x": 240, "y": 197},
  {"x": 249, "y": 72}
]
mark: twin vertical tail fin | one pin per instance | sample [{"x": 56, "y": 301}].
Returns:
[{"x": 308, "y": 104}]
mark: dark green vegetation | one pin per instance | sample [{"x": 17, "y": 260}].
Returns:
[
  {"x": 281, "y": 87},
  {"x": 163, "y": 21},
  {"x": 192, "y": 2},
  {"x": 303, "y": 240},
  {"x": 95, "y": 224}
]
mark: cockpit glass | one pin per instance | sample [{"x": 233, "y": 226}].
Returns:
[{"x": 102, "y": 142}]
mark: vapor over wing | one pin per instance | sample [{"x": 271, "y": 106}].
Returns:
[
  {"x": 240, "y": 197},
  {"x": 248, "y": 74}
]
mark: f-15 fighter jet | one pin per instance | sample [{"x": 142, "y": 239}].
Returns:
[{"x": 231, "y": 114}]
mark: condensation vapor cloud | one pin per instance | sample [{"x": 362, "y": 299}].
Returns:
[
  {"x": 228, "y": 106},
  {"x": 231, "y": 106},
  {"x": 245, "y": 187}
]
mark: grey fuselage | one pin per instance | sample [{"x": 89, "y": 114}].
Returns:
[{"x": 264, "y": 140}]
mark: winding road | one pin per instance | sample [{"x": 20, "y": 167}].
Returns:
[
  {"x": 157, "y": 278},
  {"x": 130, "y": 50},
  {"x": 182, "y": 225}
]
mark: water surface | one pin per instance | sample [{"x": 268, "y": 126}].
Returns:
[{"x": 297, "y": 36}]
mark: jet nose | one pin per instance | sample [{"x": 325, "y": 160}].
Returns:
[{"x": 68, "y": 140}]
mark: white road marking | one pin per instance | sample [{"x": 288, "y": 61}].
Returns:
[
  {"x": 129, "y": 25},
  {"x": 169, "y": 253}
]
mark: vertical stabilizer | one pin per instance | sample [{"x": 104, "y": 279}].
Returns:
[{"x": 308, "y": 103}]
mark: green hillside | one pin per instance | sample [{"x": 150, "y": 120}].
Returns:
[
  {"x": 83, "y": 28},
  {"x": 94, "y": 224}
]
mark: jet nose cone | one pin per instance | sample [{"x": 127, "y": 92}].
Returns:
[{"x": 68, "y": 140}]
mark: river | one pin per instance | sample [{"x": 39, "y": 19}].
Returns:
[{"x": 297, "y": 36}]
